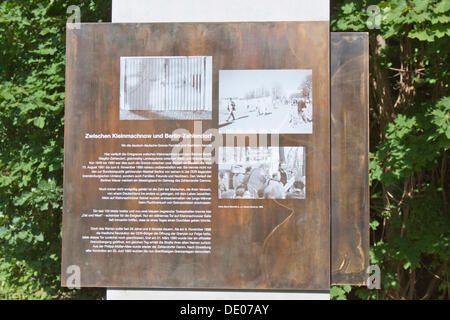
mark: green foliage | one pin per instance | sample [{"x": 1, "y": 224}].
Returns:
[
  {"x": 339, "y": 292},
  {"x": 415, "y": 142},
  {"x": 410, "y": 139},
  {"x": 32, "y": 64}
]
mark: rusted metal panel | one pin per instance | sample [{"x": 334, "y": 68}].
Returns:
[
  {"x": 349, "y": 157},
  {"x": 264, "y": 244}
]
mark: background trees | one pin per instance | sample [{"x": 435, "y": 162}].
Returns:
[{"x": 32, "y": 71}]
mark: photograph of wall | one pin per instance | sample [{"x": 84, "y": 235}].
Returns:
[
  {"x": 166, "y": 88},
  {"x": 265, "y": 101},
  {"x": 262, "y": 173}
]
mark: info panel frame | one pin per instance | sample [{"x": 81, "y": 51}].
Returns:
[{"x": 288, "y": 245}]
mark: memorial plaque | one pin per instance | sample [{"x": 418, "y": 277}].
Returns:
[{"x": 197, "y": 155}]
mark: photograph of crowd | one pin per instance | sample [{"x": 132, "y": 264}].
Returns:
[
  {"x": 265, "y": 101},
  {"x": 262, "y": 173}
]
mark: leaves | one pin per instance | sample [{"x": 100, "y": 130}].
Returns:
[
  {"x": 39, "y": 122},
  {"x": 410, "y": 138},
  {"x": 32, "y": 73}
]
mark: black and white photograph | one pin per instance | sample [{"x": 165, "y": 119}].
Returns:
[
  {"x": 266, "y": 101},
  {"x": 166, "y": 88},
  {"x": 262, "y": 173}
]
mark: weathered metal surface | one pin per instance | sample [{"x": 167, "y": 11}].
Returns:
[
  {"x": 349, "y": 157},
  {"x": 283, "y": 245}
]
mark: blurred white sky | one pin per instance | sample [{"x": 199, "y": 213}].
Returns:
[{"x": 236, "y": 83}]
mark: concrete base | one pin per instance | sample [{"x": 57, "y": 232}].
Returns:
[
  {"x": 141, "y": 11},
  {"x": 219, "y": 10}
]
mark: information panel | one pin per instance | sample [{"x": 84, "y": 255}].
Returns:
[{"x": 197, "y": 155}]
